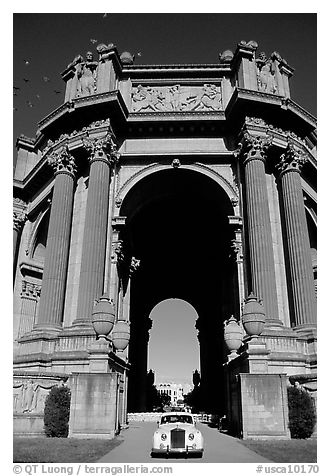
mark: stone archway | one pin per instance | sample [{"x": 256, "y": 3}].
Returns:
[{"x": 177, "y": 226}]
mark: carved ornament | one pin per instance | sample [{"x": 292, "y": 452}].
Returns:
[
  {"x": 176, "y": 163},
  {"x": 19, "y": 219},
  {"x": 135, "y": 263},
  {"x": 255, "y": 146},
  {"x": 292, "y": 160},
  {"x": 62, "y": 161},
  {"x": 19, "y": 202},
  {"x": 64, "y": 137},
  {"x": 270, "y": 128},
  {"x": 30, "y": 290},
  {"x": 103, "y": 148},
  {"x": 177, "y": 98},
  {"x": 237, "y": 248},
  {"x": 117, "y": 254}
]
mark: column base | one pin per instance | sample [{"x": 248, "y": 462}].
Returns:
[
  {"x": 83, "y": 324},
  {"x": 273, "y": 324},
  {"x": 306, "y": 330},
  {"x": 47, "y": 328}
]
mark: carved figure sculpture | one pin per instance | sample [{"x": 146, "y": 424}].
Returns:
[
  {"x": 86, "y": 72},
  {"x": 30, "y": 395},
  {"x": 147, "y": 97},
  {"x": 265, "y": 75},
  {"x": 209, "y": 98},
  {"x": 176, "y": 98}
]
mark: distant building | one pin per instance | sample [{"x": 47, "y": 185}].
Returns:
[{"x": 175, "y": 390}]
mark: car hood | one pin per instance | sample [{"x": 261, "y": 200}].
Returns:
[{"x": 181, "y": 426}]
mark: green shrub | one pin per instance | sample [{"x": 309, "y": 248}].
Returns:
[
  {"x": 57, "y": 412},
  {"x": 302, "y": 415}
]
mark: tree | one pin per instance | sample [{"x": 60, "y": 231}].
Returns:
[
  {"x": 302, "y": 415},
  {"x": 193, "y": 399},
  {"x": 57, "y": 412},
  {"x": 165, "y": 399}
]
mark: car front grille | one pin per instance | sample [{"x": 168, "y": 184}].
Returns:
[{"x": 177, "y": 438}]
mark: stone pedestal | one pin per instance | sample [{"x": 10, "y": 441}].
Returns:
[
  {"x": 94, "y": 403},
  {"x": 264, "y": 406},
  {"x": 257, "y": 404}
]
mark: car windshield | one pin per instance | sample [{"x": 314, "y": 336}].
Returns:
[{"x": 176, "y": 419}]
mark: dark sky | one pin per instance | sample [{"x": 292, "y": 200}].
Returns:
[{"x": 50, "y": 41}]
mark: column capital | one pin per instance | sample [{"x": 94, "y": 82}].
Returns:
[
  {"x": 253, "y": 147},
  {"x": 19, "y": 219},
  {"x": 117, "y": 255},
  {"x": 30, "y": 290},
  {"x": 237, "y": 249},
  {"x": 291, "y": 160},
  {"x": 63, "y": 162},
  {"x": 101, "y": 148}
]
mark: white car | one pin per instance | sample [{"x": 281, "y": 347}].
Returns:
[{"x": 177, "y": 434}]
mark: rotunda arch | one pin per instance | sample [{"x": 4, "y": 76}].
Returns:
[{"x": 177, "y": 226}]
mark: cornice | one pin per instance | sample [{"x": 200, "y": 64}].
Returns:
[
  {"x": 300, "y": 111},
  {"x": 252, "y": 94},
  {"x": 71, "y": 106},
  {"x": 176, "y": 116},
  {"x": 175, "y": 67},
  {"x": 71, "y": 141}
]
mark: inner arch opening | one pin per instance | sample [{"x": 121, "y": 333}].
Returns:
[{"x": 173, "y": 346}]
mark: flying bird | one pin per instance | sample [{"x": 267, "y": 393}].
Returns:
[
  {"x": 92, "y": 40},
  {"x": 26, "y": 80},
  {"x": 29, "y": 103},
  {"x": 46, "y": 79},
  {"x": 16, "y": 88},
  {"x": 27, "y": 62},
  {"x": 56, "y": 91},
  {"x": 139, "y": 53}
]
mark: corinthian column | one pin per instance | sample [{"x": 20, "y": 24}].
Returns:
[
  {"x": 258, "y": 225},
  {"x": 297, "y": 239},
  {"x": 58, "y": 242},
  {"x": 102, "y": 155}
]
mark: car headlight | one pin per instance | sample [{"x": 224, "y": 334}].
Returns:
[
  {"x": 164, "y": 436},
  {"x": 191, "y": 436}
]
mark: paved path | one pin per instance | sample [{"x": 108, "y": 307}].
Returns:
[{"x": 218, "y": 447}]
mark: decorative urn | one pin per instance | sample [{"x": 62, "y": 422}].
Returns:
[
  {"x": 233, "y": 335},
  {"x": 120, "y": 335},
  {"x": 103, "y": 316},
  {"x": 253, "y": 316}
]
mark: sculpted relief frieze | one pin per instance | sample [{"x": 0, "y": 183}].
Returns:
[
  {"x": 30, "y": 395},
  {"x": 176, "y": 98}
]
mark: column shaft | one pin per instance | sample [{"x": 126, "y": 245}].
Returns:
[
  {"x": 260, "y": 236},
  {"x": 299, "y": 256},
  {"x": 95, "y": 238},
  {"x": 57, "y": 253}
]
